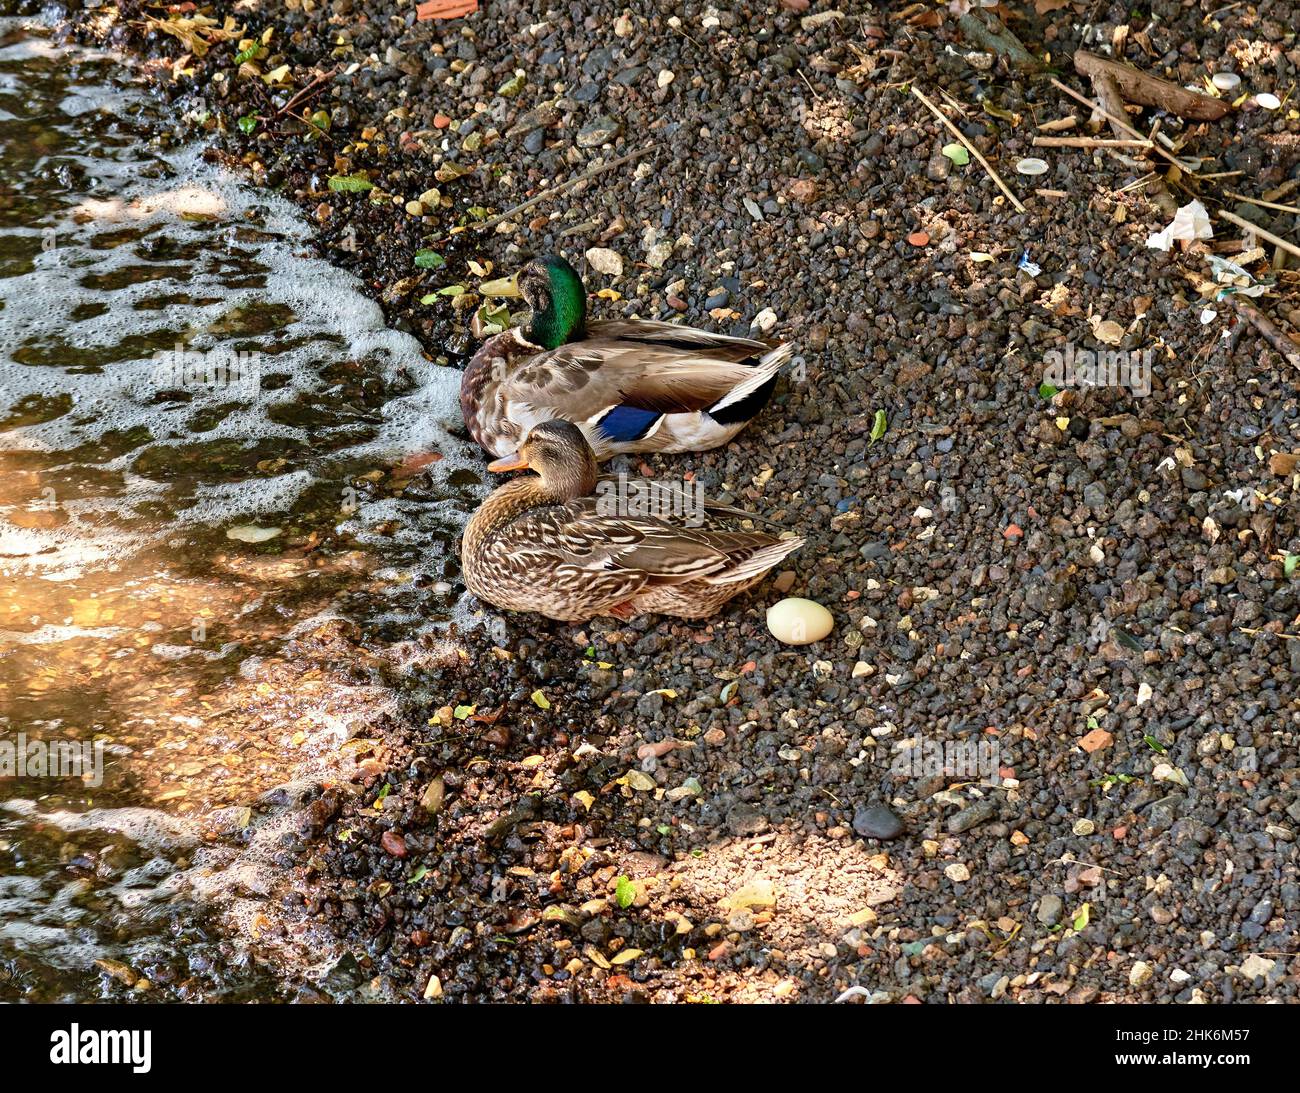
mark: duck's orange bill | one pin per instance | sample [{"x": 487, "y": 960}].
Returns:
[{"x": 512, "y": 462}]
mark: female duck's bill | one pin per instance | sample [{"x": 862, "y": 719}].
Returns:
[{"x": 512, "y": 462}]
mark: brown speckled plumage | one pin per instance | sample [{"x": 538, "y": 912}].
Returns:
[{"x": 543, "y": 543}]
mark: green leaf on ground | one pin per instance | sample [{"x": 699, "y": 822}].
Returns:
[
  {"x": 350, "y": 184},
  {"x": 512, "y": 86},
  {"x": 624, "y": 893},
  {"x": 957, "y": 153}
]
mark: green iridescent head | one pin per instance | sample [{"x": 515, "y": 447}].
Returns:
[{"x": 556, "y": 298}]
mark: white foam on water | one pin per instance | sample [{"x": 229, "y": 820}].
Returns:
[
  {"x": 139, "y": 190},
  {"x": 147, "y": 827},
  {"x": 49, "y": 634},
  {"x": 332, "y": 320}
]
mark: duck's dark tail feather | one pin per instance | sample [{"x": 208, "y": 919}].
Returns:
[{"x": 749, "y": 396}]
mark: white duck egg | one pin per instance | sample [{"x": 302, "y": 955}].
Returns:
[{"x": 798, "y": 621}]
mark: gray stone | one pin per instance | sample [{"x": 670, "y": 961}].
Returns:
[
  {"x": 1049, "y": 910},
  {"x": 971, "y": 815},
  {"x": 876, "y": 822},
  {"x": 601, "y": 131}
]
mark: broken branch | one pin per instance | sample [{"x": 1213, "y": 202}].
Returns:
[
  {"x": 989, "y": 33},
  {"x": 1123, "y": 125},
  {"x": 1108, "y": 94},
  {"x": 1137, "y": 86}
]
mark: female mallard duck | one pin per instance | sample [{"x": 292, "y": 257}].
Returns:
[
  {"x": 544, "y": 543},
  {"x": 630, "y": 385}
]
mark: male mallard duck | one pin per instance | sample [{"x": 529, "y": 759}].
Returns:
[
  {"x": 544, "y": 543},
  {"x": 630, "y": 385}
]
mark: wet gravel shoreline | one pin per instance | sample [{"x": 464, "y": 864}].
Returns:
[{"x": 1092, "y": 585}]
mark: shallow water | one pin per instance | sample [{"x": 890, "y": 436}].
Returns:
[{"x": 215, "y": 455}]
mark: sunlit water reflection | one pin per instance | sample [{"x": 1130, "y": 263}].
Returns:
[{"x": 184, "y": 538}]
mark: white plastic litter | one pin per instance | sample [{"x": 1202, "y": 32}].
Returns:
[
  {"x": 1227, "y": 272},
  {"x": 1190, "y": 222}
]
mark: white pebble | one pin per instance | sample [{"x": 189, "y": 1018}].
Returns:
[
  {"x": 797, "y": 621},
  {"x": 666, "y": 76},
  {"x": 1031, "y": 165},
  {"x": 1225, "y": 81},
  {"x": 606, "y": 261},
  {"x": 1268, "y": 100}
]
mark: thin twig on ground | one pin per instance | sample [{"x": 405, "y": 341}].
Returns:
[
  {"x": 1264, "y": 204},
  {"x": 1276, "y": 240},
  {"x": 1288, "y": 346},
  {"x": 1088, "y": 142},
  {"x": 1124, "y": 125},
  {"x": 969, "y": 147},
  {"x": 552, "y": 191},
  {"x": 310, "y": 89}
]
